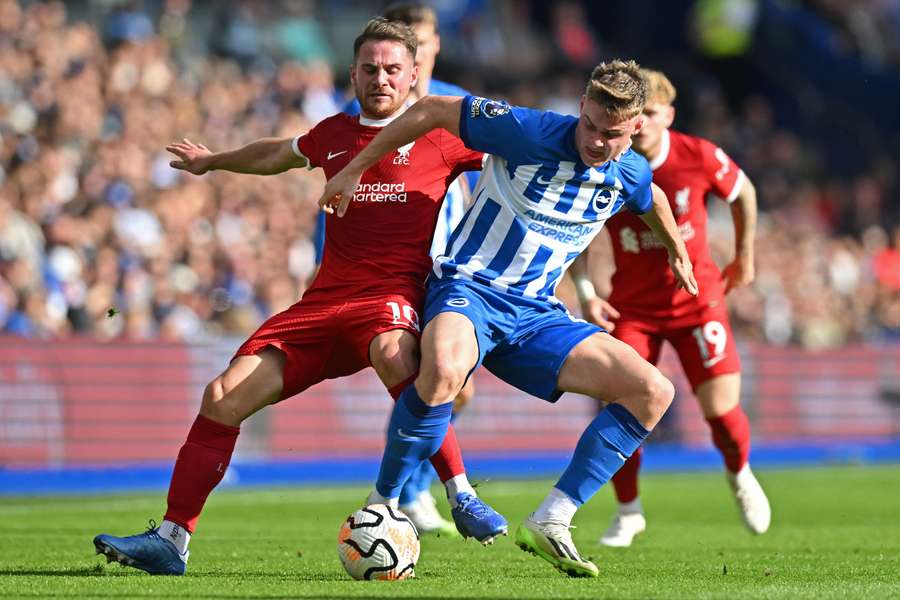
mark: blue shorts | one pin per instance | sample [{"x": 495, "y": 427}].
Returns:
[{"x": 521, "y": 340}]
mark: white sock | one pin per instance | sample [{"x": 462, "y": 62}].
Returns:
[
  {"x": 741, "y": 477},
  {"x": 176, "y": 534},
  {"x": 376, "y": 498},
  {"x": 557, "y": 507},
  {"x": 630, "y": 508},
  {"x": 457, "y": 484}
]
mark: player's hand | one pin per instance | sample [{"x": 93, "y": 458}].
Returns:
[
  {"x": 599, "y": 312},
  {"x": 339, "y": 192},
  {"x": 738, "y": 273},
  {"x": 684, "y": 273},
  {"x": 194, "y": 158}
]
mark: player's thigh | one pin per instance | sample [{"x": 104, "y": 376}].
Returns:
[
  {"x": 643, "y": 337},
  {"x": 394, "y": 354},
  {"x": 707, "y": 351},
  {"x": 612, "y": 371},
  {"x": 607, "y": 369},
  {"x": 719, "y": 395},
  {"x": 248, "y": 384}
]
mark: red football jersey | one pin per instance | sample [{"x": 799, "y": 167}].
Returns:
[
  {"x": 382, "y": 242},
  {"x": 687, "y": 169}
]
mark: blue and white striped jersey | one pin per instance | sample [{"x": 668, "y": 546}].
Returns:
[{"x": 537, "y": 205}]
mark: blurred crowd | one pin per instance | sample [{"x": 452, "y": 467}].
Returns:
[{"x": 99, "y": 236}]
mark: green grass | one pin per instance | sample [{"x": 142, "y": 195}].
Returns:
[{"x": 835, "y": 534}]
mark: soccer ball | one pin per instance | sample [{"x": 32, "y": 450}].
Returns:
[{"x": 378, "y": 542}]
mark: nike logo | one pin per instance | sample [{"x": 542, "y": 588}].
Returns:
[
  {"x": 622, "y": 456},
  {"x": 334, "y": 154},
  {"x": 411, "y": 438},
  {"x": 543, "y": 181},
  {"x": 713, "y": 360}
]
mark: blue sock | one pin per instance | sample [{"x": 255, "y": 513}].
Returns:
[
  {"x": 602, "y": 450},
  {"x": 420, "y": 480},
  {"x": 415, "y": 432}
]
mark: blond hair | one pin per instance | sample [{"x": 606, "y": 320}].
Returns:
[
  {"x": 618, "y": 86},
  {"x": 659, "y": 89}
]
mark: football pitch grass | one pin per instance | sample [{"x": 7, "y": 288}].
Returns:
[{"x": 835, "y": 534}]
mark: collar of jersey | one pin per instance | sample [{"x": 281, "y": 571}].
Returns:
[
  {"x": 664, "y": 146},
  {"x": 382, "y": 122}
]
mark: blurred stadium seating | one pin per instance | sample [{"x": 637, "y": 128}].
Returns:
[{"x": 92, "y": 217}]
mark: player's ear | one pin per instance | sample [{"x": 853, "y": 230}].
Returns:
[
  {"x": 437, "y": 44},
  {"x": 415, "y": 76},
  {"x": 670, "y": 116},
  {"x": 353, "y": 73}
]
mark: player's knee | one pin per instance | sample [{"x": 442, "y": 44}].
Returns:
[
  {"x": 442, "y": 380},
  {"x": 659, "y": 393},
  {"x": 393, "y": 363},
  {"x": 212, "y": 395}
]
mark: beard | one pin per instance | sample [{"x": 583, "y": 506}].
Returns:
[{"x": 378, "y": 108}]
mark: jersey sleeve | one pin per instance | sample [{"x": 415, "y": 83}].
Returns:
[
  {"x": 725, "y": 177},
  {"x": 636, "y": 185},
  {"x": 495, "y": 127},
  {"x": 457, "y": 156},
  {"x": 307, "y": 146}
]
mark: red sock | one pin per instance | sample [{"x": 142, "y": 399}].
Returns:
[
  {"x": 447, "y": 461},
  {"x": 731, "y": 435},
  {"x": 625, "y": 481},
  {"x": 200, "y": 467}
]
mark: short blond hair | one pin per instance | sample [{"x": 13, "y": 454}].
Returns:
[
  {"x": 659, "y": 89},
  {"x": 618, "y": 86}
]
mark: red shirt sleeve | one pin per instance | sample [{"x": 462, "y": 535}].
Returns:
[
  {"x": 457, "y": 156},
  {"x": 308, "y": 145},
  {"x": 724, "y": 176}
]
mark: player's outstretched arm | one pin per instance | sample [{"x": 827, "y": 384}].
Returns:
[
  {"x": 431, "y": 112},
  {"x": 593, "y": 308},
  {"x": 740, "y": 271},
  {"x": 661, "y": 220},
  {"x": 265, "y": 156}
]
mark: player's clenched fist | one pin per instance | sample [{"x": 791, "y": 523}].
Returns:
[
  {"x": 194, "y": 158},
  {"x": 339, "y": 192}
]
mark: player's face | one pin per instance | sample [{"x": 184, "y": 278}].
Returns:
[
  {"x": 657, "y": 118},
  {"x": 429, "y": 46},
  {"x": 382, "y": 77},
  {"x": 599, "y": 137}
]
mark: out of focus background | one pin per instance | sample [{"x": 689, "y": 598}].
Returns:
[{"x": 804, "y": 95}]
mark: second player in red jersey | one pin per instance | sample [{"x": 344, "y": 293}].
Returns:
[
  {"x": 647, "y": 313},
  {"x": 362, "y": 309}
]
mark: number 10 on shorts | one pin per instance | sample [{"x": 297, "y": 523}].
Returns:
[{"x": 404, "y": 314}]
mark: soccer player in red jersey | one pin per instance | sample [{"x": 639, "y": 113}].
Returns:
[
  {"x": 643, "y": 312},
  {"x": 361, "y": 310}
]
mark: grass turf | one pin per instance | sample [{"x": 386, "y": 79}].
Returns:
[{"x": 835, "y": 534}]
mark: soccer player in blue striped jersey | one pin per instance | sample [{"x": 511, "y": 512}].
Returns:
[{"x": 546, "y": 190}]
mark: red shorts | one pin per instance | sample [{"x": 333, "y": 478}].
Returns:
[
  {"x": 324, "y": 338},
  {"x": 705, "y": 344}
]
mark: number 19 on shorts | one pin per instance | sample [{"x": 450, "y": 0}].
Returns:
[{"x": 404, "y": 314}]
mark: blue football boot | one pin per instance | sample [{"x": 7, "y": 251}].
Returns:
[
  {"x": 474, "y": 518},
  {"x": 145, "y": 551}
]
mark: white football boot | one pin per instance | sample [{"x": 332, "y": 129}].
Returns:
[
  {"x": 552, "y": 541},
  {"x": 424, "y": 514},
  {"x": 751, "y": 499},
  {"x": 623, "y": 529}
]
